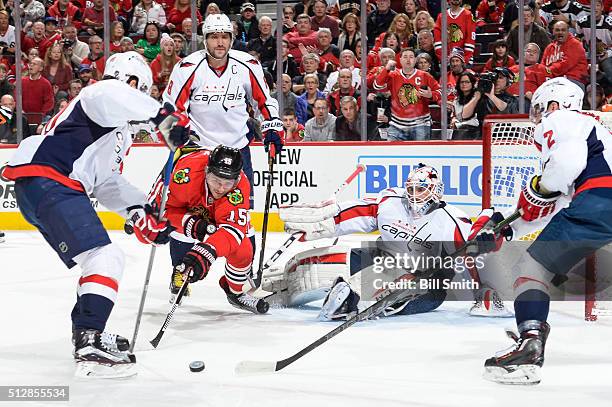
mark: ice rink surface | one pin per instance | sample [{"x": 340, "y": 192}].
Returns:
[{"x": 430, "y": 360}]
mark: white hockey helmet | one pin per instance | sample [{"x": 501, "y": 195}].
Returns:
[
  {"x": 217, "y": 23},
  {"x": 561, "y": 90},
  {"x": 126, "y": 66},
  {"x": 424, "y": 189}
]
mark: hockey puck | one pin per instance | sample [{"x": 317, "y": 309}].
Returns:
[{"x": 196, "y": 366}]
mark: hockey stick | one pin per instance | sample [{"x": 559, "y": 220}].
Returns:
[
  {"x": 167, "y": 175},
  {"x": 175, "y": 305},
  {"x": 254, "y": 367}
]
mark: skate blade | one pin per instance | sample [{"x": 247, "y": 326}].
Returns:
[
  {"x": 93, "y": 370},
  {"x": 481, "y": 312},
  {"x": 522, "y": 375}
]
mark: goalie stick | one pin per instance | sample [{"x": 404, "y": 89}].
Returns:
[{"x": 255, "y": 367}]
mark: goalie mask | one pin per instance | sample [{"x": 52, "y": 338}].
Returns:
[
  {"x": 561, "y": 90},
  {"x": 130, "y": 66},
  {"x": 424, "y": 189},
  {"x": 217, "y": 23}
]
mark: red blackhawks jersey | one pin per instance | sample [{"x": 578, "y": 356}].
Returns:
[
  {"x": 408, "y": 109},
  {"x": 567, "y": 59},
  {"x": 461, "y": 33},
  {"x": 188, "y": 194},
  {"x": 535, "y": 75}
]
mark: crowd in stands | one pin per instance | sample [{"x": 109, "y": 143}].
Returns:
[{"x": 63, "y": 52}]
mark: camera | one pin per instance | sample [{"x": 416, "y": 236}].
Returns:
[
  {"x": 486, "y": 81},
  {"x": 68, "y": 43}
]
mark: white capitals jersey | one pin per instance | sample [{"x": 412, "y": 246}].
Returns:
[
  {"x": 216, "y": 101},
  {"x": 83, "y": 146},
  {"x": 441, "y": 231}
]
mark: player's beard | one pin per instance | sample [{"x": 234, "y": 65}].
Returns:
[{"x": 218, "y": 53}]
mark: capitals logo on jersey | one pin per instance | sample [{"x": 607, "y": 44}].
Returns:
[{"x": 407, "y": 95}]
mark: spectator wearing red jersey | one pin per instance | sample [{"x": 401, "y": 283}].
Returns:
[
  {"x": 385, "y": 55},
  {"x": 52, "y": 35},
  {"x": 27, "y": 42},
  {"x": 411, "y": 93},
  {"x": 37, "y": 92},
  {"x": 500, "y": 56},
  {"x": 58, "y": 70},
  {"x": 322, "y": 20},
  {"x": 93, "y": 18},
  {"x": 461, "y": 30},
  {"x": 491, "y": 11},
  {"x": 180, "y": 11},
  {"x": 565, "y": 56},
  {"x": 164, "y": 62},
  {"x": 535, "y": 73},
  {"x": 533, "y": 33},
  {"x": 390, "y": 40},
  {"x": 66, "y": 13},
  {"x": 123, "y": 9},
  {"x": 292, "y": 130},
  {"x": 345, "y": 88},
  {"x": 303, "y": 35}
]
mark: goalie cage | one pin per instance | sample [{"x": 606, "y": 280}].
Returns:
[{"x": 509, "y": 160}]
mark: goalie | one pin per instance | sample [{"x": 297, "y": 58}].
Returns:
[{"x": 414, "y": 217}]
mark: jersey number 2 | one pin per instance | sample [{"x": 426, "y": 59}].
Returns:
[{"x": 548, "y": 136}]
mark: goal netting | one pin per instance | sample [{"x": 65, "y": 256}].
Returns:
[{"x": 509, "y": 160}]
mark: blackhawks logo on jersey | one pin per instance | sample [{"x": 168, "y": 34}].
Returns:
[
  {"x": 181, "y": 176},
  {"x": 235, "y": 197},
  {"x": 407, "y": 95},
  {"x": 454, "y": 33}
]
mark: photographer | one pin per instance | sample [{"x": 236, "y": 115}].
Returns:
[
  {"x": 74, "y": 49},
  {"x": 491, "y": 96}
]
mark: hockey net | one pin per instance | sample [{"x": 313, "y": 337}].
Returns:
[{"x": 509, "y": 160}]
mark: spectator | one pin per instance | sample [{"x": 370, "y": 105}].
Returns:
[
  {"x": 66, "y": 13},
  {"x": 6, "y": 87},
  {"x": 74, "y": 49},
  {"x": 239, "y": 43},
  {"x": 180, "y": 11},
  {"x": 213, "y": 8},
  {"x": 127, "y": 44},
  {"x": 533, "y": 33},
  {"x": 385, "y": 54},
  {"x": 425, "y": 64},
  {"x": 344, "y": 88},
  {"x": 149, "y": 45},
  {"x": 180, "y": 44},
  {"x": 291, "y": 100},
  {"x": 155, "y": 93},
  {"x": 491, "y": 97},
  {"x": 74, "y": 88},
  {"x": 35, "y": 41},
  {"x": 37, "y": 92},
  {"x": 290, "y": 67},
  {"x": 535, "y": 73},
  {"x": 410, "y": 8},
  {"x": 322, "y": 20},
  {"x": 265, "y": 43},
  {"x": 565, "y": 56},
  {"x": 461, "y": 31},
  {"x": 95, "y": 59},
  {"x": 116, "y": 35},
  {"x": 303, "y": 35},
  {"x": 350, "y": 32},
  {"x": 411, "y": 93},
  {"x": 52, "y": 35},
  {"x": 86, "y": 75},
  {"x": 187, "y": 31},
  {"x": 500, "y": 56},
  {"x": 425, "y": 41},
  {"x": 93, "y": 18},
  {"x": 328, "y": 52},
  {"x": 464, "y": 121},
  {"x": 33, "y": 10},
  {"x": 8, "y": 121},
  {"x": 349, "y": 7},
  {"x": 162, "y": 65},
  {"x": 322, "y": 127},
  {"x": 57, "y": 69},
  {"x": 347, "y": 61},
  {"x": 402, "y": 27},
  {"x": 7, "y": 35},
  {"x": 305, "y": 7},
  {"x": 311, "y": 93},
  {"x": 603, "y": 33},
  {"x": 288, "y": 22},
  {"x": 348, "y": 124},
  {"x": 600, "y": 98},
  {"x": 456, "y": 62},
  {"x": 391, "y": 41},
  {"x": 491, "y": 11},
  {"x": 292, "y": 130},
  {"x": 379, "y": 20},
  {"x": 568, "y": 11},
  {"x": 247, "y": 22},
  {"x": 423, "y": 21},
  {"x": 145, "y": 11}
]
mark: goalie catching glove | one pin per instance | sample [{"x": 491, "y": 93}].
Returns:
[
  {"x": 198, "y": 260},
  {"x": 316, "y": 221},
  {"x": 482, "y": 235},
  {"x": 172, "y": 126},
  {"x": 144, "y": 223},
  {"x": 536, "y": 202}
]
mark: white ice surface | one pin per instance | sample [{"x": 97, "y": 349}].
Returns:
[{"x": 429, "y": 360}]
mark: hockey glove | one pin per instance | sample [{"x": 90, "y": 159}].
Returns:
[
  {"x": 271, "y": 132},
  {"x": 197, "y": 227},
  {"x": 484, "y": 240},
  {"x": 172, "y": 126},
  {"x": 198, "y": 260},
  {"x": 536, "y": 203},
  {"x": 143, "y": 222}
]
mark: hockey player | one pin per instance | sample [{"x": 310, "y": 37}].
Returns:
[
  {"x": 80, "y": 154},
  {"x": 207, "y": 203},
  {"x": 577, "y": 160},
  {"x": 414, "y": 216}
]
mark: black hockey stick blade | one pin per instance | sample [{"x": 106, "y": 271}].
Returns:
[
  {"x": 251, "y": 367},
  {"x": 175, "y": 305}
]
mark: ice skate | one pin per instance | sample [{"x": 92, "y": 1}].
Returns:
[
  {"x": 340, "y": 303},
  {"x": 521, "y": 363},
  {"x": 102, "y": 355},
  {"x": 244, "y": 301},
  {"x": 176, "y": 282}
]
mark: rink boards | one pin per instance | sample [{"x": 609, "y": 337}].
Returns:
[{"x": 307, "y": 172}]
